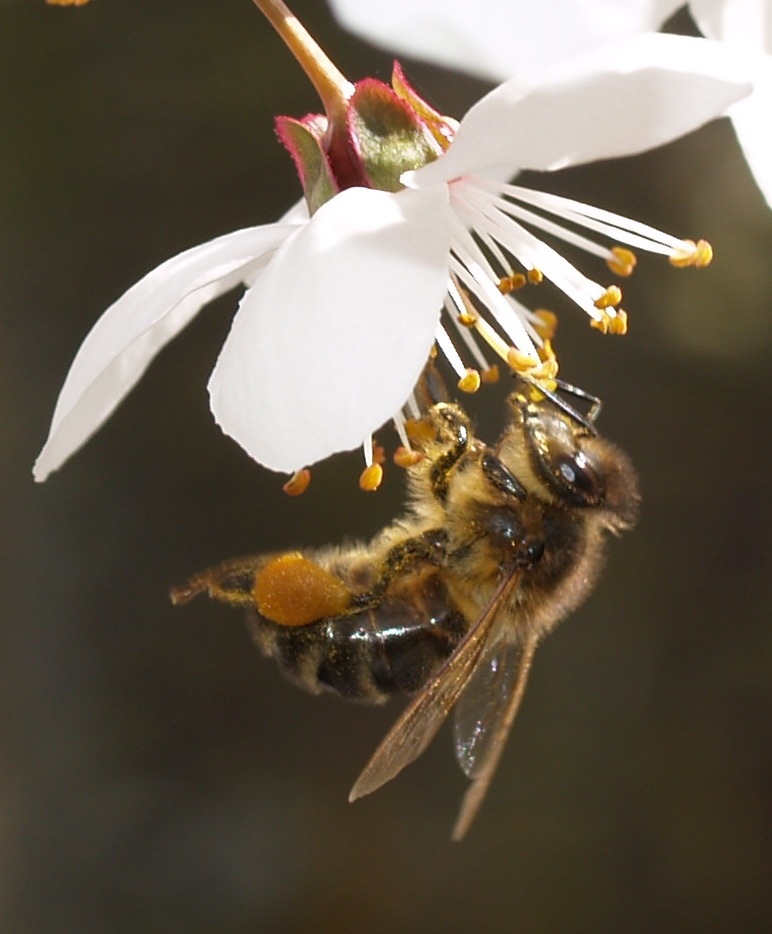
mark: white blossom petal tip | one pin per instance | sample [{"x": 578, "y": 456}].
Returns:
[{"x": 127, "y": 337}]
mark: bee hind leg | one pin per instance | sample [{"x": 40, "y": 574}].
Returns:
[
  {"x": 424, "y": 550},
  {"x": 231, "y": 582}
]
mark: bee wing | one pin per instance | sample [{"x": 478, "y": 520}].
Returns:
[
  {"x": 485, "y": 719},
  {"x": 423, "y": 717},
  {"x": 482, "y": 705}
]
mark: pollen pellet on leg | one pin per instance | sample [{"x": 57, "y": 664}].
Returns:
[{"x": 292, "y": 590}]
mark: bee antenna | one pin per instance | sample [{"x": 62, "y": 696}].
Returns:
[{"x": 587, "y": 420}]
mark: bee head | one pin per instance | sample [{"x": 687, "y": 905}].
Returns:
[{"x": 554, "y": 452}]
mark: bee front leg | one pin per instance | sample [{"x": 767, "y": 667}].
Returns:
[{"x": 453, "y": 426}]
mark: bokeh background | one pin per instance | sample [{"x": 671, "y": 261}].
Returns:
[{"x": 155, "y": 772}]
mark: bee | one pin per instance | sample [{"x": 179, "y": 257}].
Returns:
[{"x": 449, "y": 602}]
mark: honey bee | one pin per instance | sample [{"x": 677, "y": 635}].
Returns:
[{"x": 450, "y": 601}]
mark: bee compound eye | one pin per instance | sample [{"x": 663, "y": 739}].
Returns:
[
  {"x": 534, "y": 549},
  {"x": 574, "y": 473}
]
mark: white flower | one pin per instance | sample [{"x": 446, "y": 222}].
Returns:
[
  {"x": 341, "y": 310},
  {"x": 501, "y": 39},
  {"x": 746, "y": 26}
]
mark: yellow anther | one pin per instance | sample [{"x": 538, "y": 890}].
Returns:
[
  {"x": 542, "y": 371},
  {"x": 548, "y": 370},
  {"x": 612, "y": 296},
  {"x": 419, "y": 431},
  {"x": 379, "y": 454},
  {"x": 697, "y": 254},
  {"x": 546, "y": 323},
  {"x": 703, "y": 255},
  {"x": 470, "y": 381},
  {"x": 490, "y": 374},
  {"x": 370, "y": 478},
  {"x": 520, "y": 362},
  {"x": 298, "y": 482},
  {"x": 467, "y": 319},
  {"x": 613, "y": 322},
  {"x": 546, "y": 352},
  {"x": 535, "y": 276},
  {"x": 622, "y": 261},
  {"x": 618, "y": 324},
  {"x": 511, "y": 283},
  {"x": 406, "y": 457}
]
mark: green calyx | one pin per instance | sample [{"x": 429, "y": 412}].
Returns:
[
  {"x": 378, "y": 134},
  {"x": 387, "y": 134}
]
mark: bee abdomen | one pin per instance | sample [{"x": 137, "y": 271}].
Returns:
[{"x": 395, "y": 645}]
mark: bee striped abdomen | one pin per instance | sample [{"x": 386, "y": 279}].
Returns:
[{"x": 370, "y": 653}]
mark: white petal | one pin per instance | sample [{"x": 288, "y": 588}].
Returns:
[
  {"x": 297, "y": 214},
  {"x": 746, "y": 24},
  {"x": 496, "y": 39},
  {"x": 753, "y": 124},
  {"x": 120, "y": 346},
  {"x": 329, "y": 342},
  {"x": 627, "y": 98}
]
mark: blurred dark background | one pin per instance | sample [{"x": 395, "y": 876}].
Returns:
[{"x": 155, "y": 771}]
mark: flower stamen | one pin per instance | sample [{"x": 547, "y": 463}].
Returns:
[
  {"x": 697, "y": 254},
  {"x": 298, "y": 482},
  {"x": 622, "y": 261},
  {"x": 610, "y": 321},
  {"x": 470, "y": 382},
  {"x": 511, "y": 283},
  {"x": 468, "y": 378},
  {"x": 371, "y": 478},
  {"x": 610, "y": 298},
  {"x": 407, "y": 457},
  {"x": 545, "y": 323}
]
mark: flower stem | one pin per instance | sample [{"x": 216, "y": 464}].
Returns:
[{"x": 331, "y": 86}]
